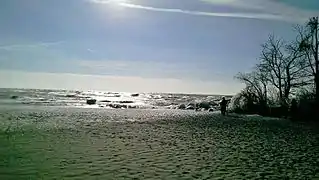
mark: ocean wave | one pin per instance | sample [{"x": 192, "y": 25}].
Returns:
[{"x": 103, "y": 99}]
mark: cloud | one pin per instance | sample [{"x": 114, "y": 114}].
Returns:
[
  {"x": 90, "y": 50},
  {"x": 15, "y": 47},
  {"x": 199, "y": 13},
  {"x": 135, "y": 67},
  {"x": 104, "y": 65},
  {"x": 279, "y": 8},
  {"x": 268, "y": 10},
  {"x": 246, "y": 4},
  {"x": 196, "y": 13}
]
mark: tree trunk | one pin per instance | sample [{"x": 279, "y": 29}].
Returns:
[
  {"x": 316, "y": 61},
  {"x": 288, "y": 84},
  {"x": 265, "y": 90},
  {"x": 280, "y": 87}
]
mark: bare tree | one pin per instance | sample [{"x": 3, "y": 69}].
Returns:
[
  {"x": 282, "y": 66},
  {"x": 308, "y": 40},
  {"x": 296, "y": 68},
  {"x": 272, "y": 62},
  {"x": 256, "y": 85}
]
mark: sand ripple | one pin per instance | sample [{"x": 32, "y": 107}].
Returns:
[{"x": 152, "y": 144}]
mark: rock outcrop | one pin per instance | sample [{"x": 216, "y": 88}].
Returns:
[
  {"x": 205, "y": 105},
  {"x": 14, "y": 97},
  {"x": 182, "y": 106},
  {"x": 135, "y": 95},
  {"x": 91, "y": 101}
]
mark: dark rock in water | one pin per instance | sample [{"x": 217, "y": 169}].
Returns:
[
  {"x": 132, "y": 107},
  {"x": 91, "y": 101},
  {"x": 70, "y": 95},
  {"x": 113, "y": 106},
  {"x": 211, "y": 110},
  {"x": 107, "y": 101},
  {"x": 14, "y": 97},
  {"x": 205, "y": 105},
  {"x": 118, "y": 106},
  {"x": 126, "y": 101},
  {"x": 182, "y": 106},
  {"x": 135, "y": 95},
  {"x": 213, "y": 103},
  {"x": 123, "y": 106}
]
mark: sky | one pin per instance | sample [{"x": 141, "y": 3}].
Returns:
[{"x": 185, "y": 46}]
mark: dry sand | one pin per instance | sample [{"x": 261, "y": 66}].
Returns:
[{"x": 70, "y": 143}]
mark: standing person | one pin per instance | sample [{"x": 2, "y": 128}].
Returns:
[{"x": 223, "y": 105}]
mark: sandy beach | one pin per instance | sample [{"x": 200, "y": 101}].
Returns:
[{"x": 79, "y": 143}]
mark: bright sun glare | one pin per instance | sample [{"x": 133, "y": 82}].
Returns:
[{"x": 116, "y": 4}]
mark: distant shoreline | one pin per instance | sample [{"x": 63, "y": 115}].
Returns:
[
  {"x": 107, "y": 99},
  {"x": 73, "y": 90}
]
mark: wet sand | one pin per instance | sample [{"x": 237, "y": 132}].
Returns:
[{"x": 71, "y": 143}]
